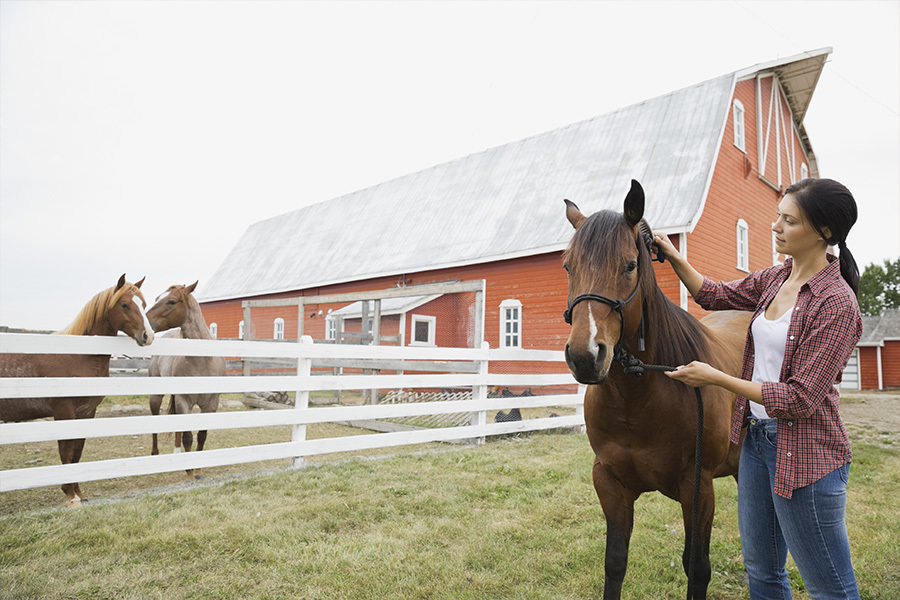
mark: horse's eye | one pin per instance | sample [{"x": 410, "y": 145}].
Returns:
[
  {"x": 631, "y": 267},
  {"x": 126, "y": 306},
  {"x": 566, "y": 267},
  {"x": 171, "y": 303}
]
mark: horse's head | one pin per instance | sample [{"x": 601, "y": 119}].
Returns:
[
  {"x": 125, "y": 312},
  {"x": 604, "y": 261},
  {"x": 172, "y": 308}
]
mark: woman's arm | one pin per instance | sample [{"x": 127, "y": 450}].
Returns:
[
  {"x": 689, "y": 276},
  {"x": 697, "y": 374}
]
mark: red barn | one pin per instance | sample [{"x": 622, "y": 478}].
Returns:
[
  {"x": 875, "y": 364},
  {"x": 714, "y": 159}
]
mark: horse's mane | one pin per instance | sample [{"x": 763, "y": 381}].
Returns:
[
  {"x": 673, "y": 336},
  {"x": 97, "y": 308}
]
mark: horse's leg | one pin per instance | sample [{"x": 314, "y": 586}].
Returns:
[
  {"x": 64, "y": 409},
  {"x": 702, "y": 567},
  {"x": 618, "y": 508},
  {"x": 155, "y": 404}
]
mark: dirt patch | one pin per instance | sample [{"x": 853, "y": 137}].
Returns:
[{"x": 872, "y": 417}]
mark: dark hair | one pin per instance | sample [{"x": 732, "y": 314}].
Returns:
[{"x": 828, "y": 204}]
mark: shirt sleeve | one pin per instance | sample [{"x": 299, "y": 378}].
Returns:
[
  {"x": 818, "y": 361},
  {"x": 741, "y": 294}
]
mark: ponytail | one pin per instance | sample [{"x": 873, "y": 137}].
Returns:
[{"x": 849, "y": 270}]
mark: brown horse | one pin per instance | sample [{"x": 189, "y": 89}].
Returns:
[
  {"x": 642, "y": 431},
  {"x": 176, "y": 307},
  {"x": 119, "y": 308}
]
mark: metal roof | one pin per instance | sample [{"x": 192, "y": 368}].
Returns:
[
  {"x": 878, "y": 328},
  {"x": 389, "y": 306},
  {"x": 500, "y": 203}
]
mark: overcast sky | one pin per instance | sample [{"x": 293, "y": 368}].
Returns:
[{"x": 145, "y": 137}]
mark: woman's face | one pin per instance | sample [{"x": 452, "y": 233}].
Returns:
[{"x": 794, "y": 234}]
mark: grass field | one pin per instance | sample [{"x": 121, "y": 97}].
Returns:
[{"x": 515, "y": 518}]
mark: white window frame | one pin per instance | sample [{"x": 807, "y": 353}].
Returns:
[
  {"x": 804, "y": 170},
  {"x": 432, "y": 328},
  {"x": 740, "y": 131},
  {"x": 330, "y": 328},
  {"x": 742, "y": 231},
  {"x": 241, "y": 330},
  {"x": 278, "y": 329},
  {"x": 214, "y": 330},
  {"x": 511, "y": 323}
]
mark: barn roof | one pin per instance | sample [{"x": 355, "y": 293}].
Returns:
[
  {"x": 881, "y": 327},
  {"x": 506, "y": 201}
]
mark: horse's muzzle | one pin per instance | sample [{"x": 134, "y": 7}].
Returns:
[{"x": 586, "y": 367}]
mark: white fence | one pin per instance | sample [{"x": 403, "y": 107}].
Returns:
[{"x": 299, "y": 417}]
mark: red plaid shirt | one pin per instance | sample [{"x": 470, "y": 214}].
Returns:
[{"x": 824, "y": 329}]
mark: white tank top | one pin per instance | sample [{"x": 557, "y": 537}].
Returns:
[{"x": 769, "y": 340}]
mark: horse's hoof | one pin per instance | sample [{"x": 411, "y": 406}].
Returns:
[
  {"x": 74, "y": 503},
  {"x": 199, "y": 476}
]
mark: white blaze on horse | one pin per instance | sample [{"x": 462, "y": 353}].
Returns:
[
  {"x": 119, "y": 308},
  {"x": 177, "y": 308}
]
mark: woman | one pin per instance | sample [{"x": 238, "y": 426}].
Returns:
[{"x": 795, "y": 459}]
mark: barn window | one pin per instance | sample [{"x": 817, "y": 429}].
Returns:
[
  {"x": 214, "y": 329},
  {"x": 279, "y": 329},
  {"x": 241, "y": 330},
  {"x": 739, "y": 125},
  {"x": 423, "y": 328},
  {"x": 510, "y": 324},
  {"x": 743, "y": 248},
  {"x": 330, "y": 328},
  {"x": 804, "y": 171}
]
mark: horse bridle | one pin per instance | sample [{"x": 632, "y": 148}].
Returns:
[{"x": 616, "y": 305}]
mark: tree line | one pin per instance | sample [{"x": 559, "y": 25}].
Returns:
[{"x": 879, "y": 287}]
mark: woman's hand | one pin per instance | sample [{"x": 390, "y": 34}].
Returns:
[
  {"x": 665, "y": 245},
  {"x": 697, "y": 374}
]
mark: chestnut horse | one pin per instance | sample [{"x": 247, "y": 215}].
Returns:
[
  {"x": 176, "y": 307},
  {"x": 643, "y": 431},
  {"x": 119, "y": 308}
]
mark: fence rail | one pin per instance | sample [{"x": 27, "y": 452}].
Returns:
[{"x": 474, "y": 374}]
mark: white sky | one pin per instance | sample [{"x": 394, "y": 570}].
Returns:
[{"x": 144, "y": 137}]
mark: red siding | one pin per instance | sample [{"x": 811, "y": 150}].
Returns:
[
  {"x": 868, "y": 368},
  {"x": 890, "y": 363}
]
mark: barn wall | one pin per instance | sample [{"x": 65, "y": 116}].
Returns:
[
  {"x": 735, "y": 194},
  {"x": 890, "y": 363},
  {"x": 868, "y": 368}
]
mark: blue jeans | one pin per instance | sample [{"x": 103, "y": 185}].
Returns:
[{"x": 811, "y": 525}]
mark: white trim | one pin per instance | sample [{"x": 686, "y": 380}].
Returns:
[
  {"x": 214, "y": 329},
  {"x": 880, "y": 373},
  {"x": 804, "y": 170},
  {"x": 275, "y": 332},
  {"x": 241, "y": 330},
  {"x": 743, "y": 257},
  {"x": 682, "y": 289},
  {"x": 432, "y": 329}
]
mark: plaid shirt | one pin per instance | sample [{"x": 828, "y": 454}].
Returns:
[{"x": 824, "y": 329}]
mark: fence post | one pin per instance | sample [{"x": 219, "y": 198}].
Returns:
[
  {"x": 301, "y": 402},
  {"x": 479, "y": 394}
]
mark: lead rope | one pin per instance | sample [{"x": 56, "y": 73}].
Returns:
[{"x": 636, "y": 368}]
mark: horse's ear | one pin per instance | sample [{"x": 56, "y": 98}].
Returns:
[
  {"x": 573, "y": 214},
  {"x": 141, "y": 282},
  {"x": 190, "y": 289},
  {"x": 634, "y": 204},
  {"x": 121, "y": 282}
]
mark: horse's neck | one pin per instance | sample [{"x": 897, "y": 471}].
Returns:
[{"x": 194, "y": 327}]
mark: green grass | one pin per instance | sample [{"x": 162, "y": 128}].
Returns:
[{"x": 516, "y": 518}]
